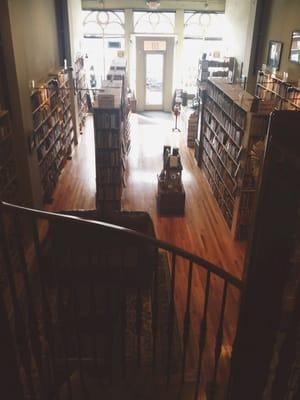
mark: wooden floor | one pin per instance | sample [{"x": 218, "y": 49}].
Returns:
[{"x": 202, "y": 230}]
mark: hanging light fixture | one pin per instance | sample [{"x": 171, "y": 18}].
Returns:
[{"x": 153, "y": 4}]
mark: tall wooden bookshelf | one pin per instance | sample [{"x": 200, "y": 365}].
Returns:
[
  {"x": 232, "y": 141},
  {"x": 8, "y": 174},
  {"x": 53, "y": 133},
  {"x": 284, "y": 95},
  {"x": 111, "y": 145},
  {"x": 81, "y": 86}
]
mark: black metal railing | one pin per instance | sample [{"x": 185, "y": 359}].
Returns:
[{"x": 88, "y": 300}]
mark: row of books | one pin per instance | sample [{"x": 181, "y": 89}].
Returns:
[
  {"x": 217, "y": 187},
  {"x": 109, "y": 157},
  {"x": 225, "y": 175},
  {"x": 109, "y": 192},
  {"x": 216, "y": 114},
  {"x": 212, "y": 125},
  {"x": 46, "y": 128},
  {"x": 108, "y": 140},
  {"x": 269, "y": 86},
  {"x": 109, "y": 175},
  {"x": 229, "y": 165},
  {"x": 45, "y": 94},
  {"x": 237, "y": 114},
  {"x": 192, "y": 129},
  {"x": 82, "y": 90},
  {"x": 50, "y": 158},
  {"x": 107, "y": 120},
  {"x": 42, "y": 115},
  {"x": 48, "y": 142}
]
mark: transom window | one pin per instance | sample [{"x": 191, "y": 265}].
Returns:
[
  {"x": 206, "y": 25},
  {"x": 153, "y": 22},
  {"x": 103, "y": 23}
]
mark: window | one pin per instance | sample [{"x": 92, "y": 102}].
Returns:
[
  {"x": 103, "y": 38},
  {"x": 103, "y": 23},
  {"x": 203, "y": 33},
  {"x": 204, "y": 25},
  {"x": 154, "y": 22}
]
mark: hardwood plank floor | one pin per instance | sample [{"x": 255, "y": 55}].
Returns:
[{"x": 202, "y": 230}]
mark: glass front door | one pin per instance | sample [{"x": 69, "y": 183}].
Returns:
[{"x": 154, "y": 79}]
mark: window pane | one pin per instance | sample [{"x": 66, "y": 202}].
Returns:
[
  {"x": 204, "y": 24},
  {"x": 103, "y": 23},
  {"x": 154, "y": 22},
  {"x": 154, "y": 79}
]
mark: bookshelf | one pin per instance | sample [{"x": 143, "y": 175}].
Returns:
[
  {"x": 8, "y": 174},
  {"x": 215, "y": 68},
  {"x": 53, "y": 133},
  {"x": 272, "y": 89},
  {"x": 231, "y": 145},
  {"x": 112, "y": 143},
  {"x": 82, "y": 90}
]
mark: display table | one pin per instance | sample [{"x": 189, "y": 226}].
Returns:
[{"x": 170, "y": 202}]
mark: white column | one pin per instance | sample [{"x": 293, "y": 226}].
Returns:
[
  {"x": 128, "y": 33},
  {"x": 179, "y": 31}
]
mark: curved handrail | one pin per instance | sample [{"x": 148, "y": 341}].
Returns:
[{"x": 52, "y": 216}]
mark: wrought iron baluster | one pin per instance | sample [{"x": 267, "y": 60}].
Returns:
[
  {"x": 57, "y": 256},
  {"x": 155, "y": 315},
  {"x": 187, "y": 321},
  {"x": 123, "y": 314},
  {"x": 171, "y": 319},
  {"x": 32, "y": 323},
  {"x": 21, "y": 339},
  {"x": 139, "y": 309},
  {"x": 93, "y": 311},
  {"x": 10, "y": 381},
  {"x": 75, "y": 311},
  {"x": 202, "y": 336},
  {"x": 219, "y": 341}
]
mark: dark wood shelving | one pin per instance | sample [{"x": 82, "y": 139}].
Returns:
[
  {"x": 270, "y": 87},
  {"x": 8, "y": 177},
  {"x": 52, "y": 159},
  {"x": 228, "y": 165}
]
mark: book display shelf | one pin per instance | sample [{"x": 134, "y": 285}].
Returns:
[
  {"x": 52, "y": 128},
  {"x": 82, "y": 90},
  {"x": 231, "y": 145},
  {"x": 8, "y": 176},
  {"x": 215, "y": 68},
  {"x": 112, "y": 143},
  {"x": 284, "y": 95}
]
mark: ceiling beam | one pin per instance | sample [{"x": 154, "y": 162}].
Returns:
[{"x": 194, "y": 5}]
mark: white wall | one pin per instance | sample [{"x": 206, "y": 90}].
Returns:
[
  {"x": 34, "y": 52},
  {"x": 240, "y": 20},
  {"x": 76, "y": 29}
]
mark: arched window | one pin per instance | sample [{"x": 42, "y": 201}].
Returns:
[
  {"x": 103, "y": 23},
  {"x": 206, "y": 25},
  {"x": 154, "y": 22}
]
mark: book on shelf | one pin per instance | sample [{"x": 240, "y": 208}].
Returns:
[
  {"x": 229, "y": 130},
  {"x": 112, "y": 142},
  {"x": 52, "y": 127}
]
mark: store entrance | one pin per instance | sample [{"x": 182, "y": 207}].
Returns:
[
  {"x": 154, "y": 80},
  {"x": 154, "y": 73}
]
